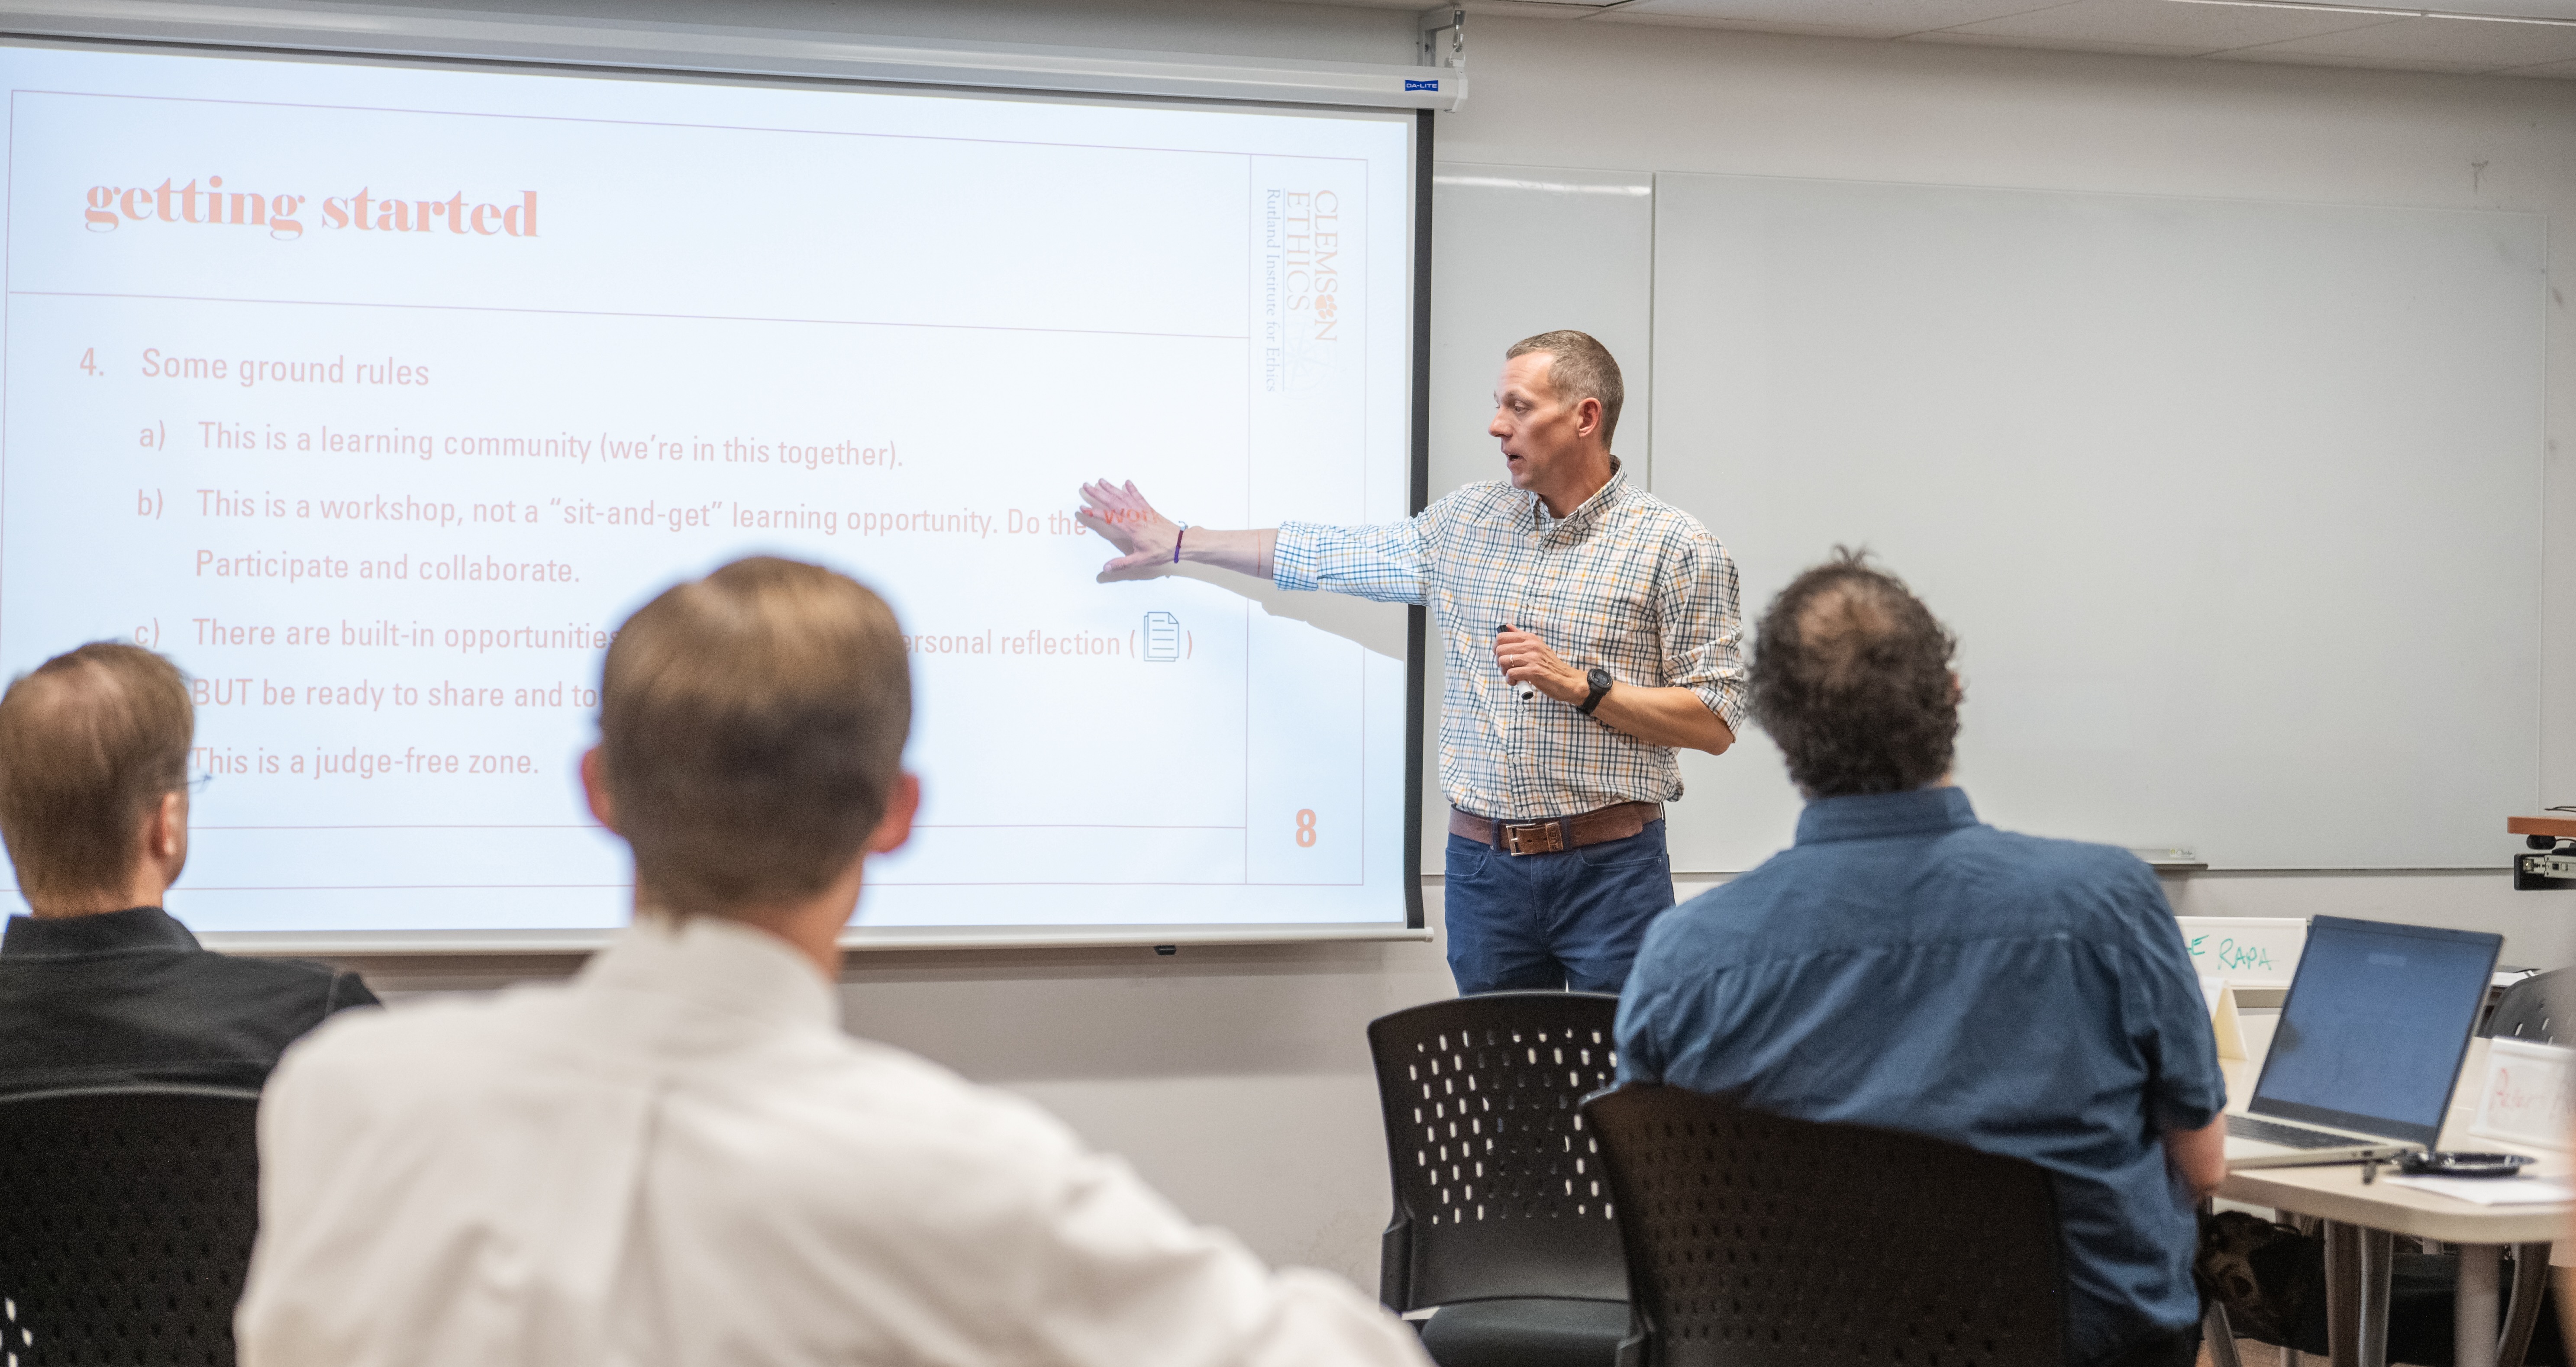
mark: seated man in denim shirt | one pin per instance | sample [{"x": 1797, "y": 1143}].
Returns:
[{"x": 1905, "y": 966}]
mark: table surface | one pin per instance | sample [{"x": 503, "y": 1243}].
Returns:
[{"x": 2337, "y": 1192}]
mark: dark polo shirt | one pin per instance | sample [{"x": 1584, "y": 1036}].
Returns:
[{"x": 128, "y": 998}]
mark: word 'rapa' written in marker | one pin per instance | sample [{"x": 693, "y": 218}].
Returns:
[{"x": 2231, "y": 955}]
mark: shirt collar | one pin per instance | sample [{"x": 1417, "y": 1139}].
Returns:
[
  {"x": 1872, "y": 816},
  {"x": 716, "y": 965},
  {"x": 1581, "y": 519},
  {"x": 107, "y": 932}
]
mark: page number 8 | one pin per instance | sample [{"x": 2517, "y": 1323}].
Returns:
[{"x": 1306, "y": 828}]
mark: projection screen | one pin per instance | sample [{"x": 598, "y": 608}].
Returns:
[{"x": 376, "y": 394}]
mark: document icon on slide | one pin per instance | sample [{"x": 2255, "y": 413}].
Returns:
[{"x": 1162, "y": 637}]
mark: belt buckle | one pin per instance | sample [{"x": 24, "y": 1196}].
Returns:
[{"x": 1543, "y": 837}]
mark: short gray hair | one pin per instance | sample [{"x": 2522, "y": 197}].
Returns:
[{"x": 1583, "y": 370}]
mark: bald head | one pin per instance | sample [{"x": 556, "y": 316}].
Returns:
[
  {"x": 1851, "y": 678},
  {"x": 90, "y": 744}
]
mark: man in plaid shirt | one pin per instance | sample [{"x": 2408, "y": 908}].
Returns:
[{"x": 1616, "y": 610}]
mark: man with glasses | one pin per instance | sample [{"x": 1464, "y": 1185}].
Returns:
[{"x": 100, "y": 986}]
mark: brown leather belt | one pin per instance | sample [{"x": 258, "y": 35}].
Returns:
[{"x": 1617, "y": 822}]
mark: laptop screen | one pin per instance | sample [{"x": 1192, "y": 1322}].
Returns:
[{"x": 2376, "y": 1023}]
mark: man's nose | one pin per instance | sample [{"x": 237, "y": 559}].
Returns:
[{"x": 1498, "y": 427}]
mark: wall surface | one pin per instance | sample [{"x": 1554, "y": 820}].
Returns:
[{"x": 1237, "y": 1080}]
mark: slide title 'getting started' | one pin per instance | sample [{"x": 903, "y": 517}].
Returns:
[{"x": 111, "y": 207}]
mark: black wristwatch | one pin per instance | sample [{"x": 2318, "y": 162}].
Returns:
[{"x": 1600, "y": 680}]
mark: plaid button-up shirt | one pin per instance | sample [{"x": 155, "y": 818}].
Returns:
[{"x": 1627, "y": 581}]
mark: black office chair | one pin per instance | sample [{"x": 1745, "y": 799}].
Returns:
[
  {"x": 1502, "y": 1220},
  {"x": 126, "y": 1219},
  {"x": 2525, "y": 1012},
  {"x": 1756, "y": 1241}
]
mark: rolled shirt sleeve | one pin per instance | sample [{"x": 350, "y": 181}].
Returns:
[
  {"x": 2170, "y": 1019},
  {"x": 1388, "y": 563},
  {"x": 1703, "y": 627}
]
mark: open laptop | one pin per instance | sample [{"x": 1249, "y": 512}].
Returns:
[{"x": 2369, "y": 1046}]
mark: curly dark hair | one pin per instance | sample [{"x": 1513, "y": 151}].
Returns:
[{"x": 1851, "y": 676}]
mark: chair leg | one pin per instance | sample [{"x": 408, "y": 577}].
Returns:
[
  {"x": 2215, "y": 1332},
  {"x": 2378, "y": 1268},
  {"x": 2522, "y": 1312},
  {"x": 2358, "y": 1263},
  {"x": 2343, "y": 1294}
]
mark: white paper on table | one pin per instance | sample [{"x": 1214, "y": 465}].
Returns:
[
  {"x": 2526, "y": 1094},
  {"x": 2493, "y": 1191},
  {"x": 2223, "y": 1023}
]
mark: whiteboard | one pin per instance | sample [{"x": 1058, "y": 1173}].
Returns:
[
  {"x": 1516, "y": 251},
  {"x": 2234, "y": 507}
]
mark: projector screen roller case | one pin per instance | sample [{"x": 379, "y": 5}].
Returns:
[{"x": 376, "y": 396}]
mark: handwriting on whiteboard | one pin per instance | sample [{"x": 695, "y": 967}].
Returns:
[
  {"x": 2257, "y": 950},
  {"x": 2229, "y": 956}
]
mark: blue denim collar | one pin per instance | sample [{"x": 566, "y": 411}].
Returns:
[{"x": 1872, "y": 816}]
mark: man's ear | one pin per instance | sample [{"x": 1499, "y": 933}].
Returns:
[
  {"x": 1587, "y": 417},
  {"x": 895, "y": 827},
  {"x": 166, "y": 834},
  {"x": 595, "y": 787}
]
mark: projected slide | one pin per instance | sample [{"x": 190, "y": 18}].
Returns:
[{"x": 377, "y": 396}]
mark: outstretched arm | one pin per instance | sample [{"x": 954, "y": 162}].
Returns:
[{"x": 1147, "y": 539}]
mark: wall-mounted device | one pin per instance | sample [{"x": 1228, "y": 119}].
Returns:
[{"x": 2552, "y": 866}]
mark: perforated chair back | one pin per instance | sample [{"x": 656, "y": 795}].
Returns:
[
  {"x": 126, "y": 1219},
  {"x": 2528, "y": 1010},
  {"x": 1498, "y": 1188},
  {"x": 1755, "y": 1241}
]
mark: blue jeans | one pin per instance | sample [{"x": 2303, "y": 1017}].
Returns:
[{"x": 1572, "y": 919}]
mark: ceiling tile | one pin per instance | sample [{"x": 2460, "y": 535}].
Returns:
[
  {"x": 1852, "y": 18},
  {"x": 2520, "y": 9},
  {"x": 1523, "y": 9},
  {"x": 2459, "y": 44},
  {"x": 2288, "y": 57},
  {"x": 2166, "y": 24},
  {"x": 1626, "y": 14},
  {"x": 1968, "y": 38}
]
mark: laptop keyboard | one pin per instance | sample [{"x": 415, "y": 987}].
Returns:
[{"x": 2287, "y": 1136}]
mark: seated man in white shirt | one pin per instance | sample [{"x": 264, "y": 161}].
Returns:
[{"x": 679, "y": 1158}]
